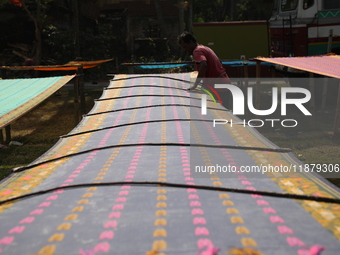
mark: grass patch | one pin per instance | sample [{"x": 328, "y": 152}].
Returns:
[{"x": 41, "y": 128}]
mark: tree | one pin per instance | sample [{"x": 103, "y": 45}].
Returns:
[
  {"x": 253, "y": 10},
  {"x": 211, "y": 10},
  {"x": 36, "y": 10},
  {"x": 231, "y": 10},
  {"x": 162, "y": 25}
]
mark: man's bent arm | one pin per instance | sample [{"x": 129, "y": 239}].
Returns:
[{"x": 201, "y": 73}]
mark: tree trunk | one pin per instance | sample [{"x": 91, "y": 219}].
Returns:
[
  {"x": 181, "y": 16},
  {"x": 38, "y": 45},
  {"x": 163, "y": 28},
  {"x": 191, "y": 17},
  {"x": 37, "y": 20},
  {"x": 38, "y": 29},
  {"x": 76, "y": 29}
]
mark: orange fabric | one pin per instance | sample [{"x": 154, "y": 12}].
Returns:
[
  {"x": 61, "y": 68},
  {"x": 72, "y": 65},
  {"x": 86, "y": 63}
]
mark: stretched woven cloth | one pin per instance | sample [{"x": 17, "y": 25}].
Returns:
[
  {"x": 136, "y": 177},
  {"x": 72, "y": 65},
  {"x": 18, "y": 96},
  {"x": 158, "y": 65},
  {"x": 328, "y": 65},
  {"x": 174, "y": 65},
  {"x": 242, "y": 63}
]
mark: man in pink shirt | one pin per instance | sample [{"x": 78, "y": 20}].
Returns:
[{"x": 208, "y": 65}]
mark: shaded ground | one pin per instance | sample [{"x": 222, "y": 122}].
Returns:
[{"x": 40, "y": 129}]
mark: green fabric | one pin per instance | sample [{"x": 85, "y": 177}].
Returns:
[{"x": 18, "y": 96}]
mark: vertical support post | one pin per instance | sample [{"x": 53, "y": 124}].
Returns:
[
  {"x": 129, "y": 39},
  {"x": 245, "y": 88},
  {"x": 8, "y": 134},
  {"x": 258, "y": 84},
  {"x": 181, "y": 16},
  {"x": 312, "y": 100},
  {"x": 291, "y": 50},
  {"x": 76, "y": 28},
  {"x": 324, "y": 93},
  {"x": 246, "y": 75},
  {"x": 1, "y": 136},
  {"x": 330, "y": 41},
  {"x": 283, "y": 36},
  {"x": 231, "y": 13},
  {"x": 336, "y": 133},
  {"x": 190, "y": 19},
  {"x": 76, "y": 100},
  {"x": 117, "y": 65},
  {"x": 273, "y": 72},
  {"x": 3, "y": 73},
  {"x": 81, "y": 89}
]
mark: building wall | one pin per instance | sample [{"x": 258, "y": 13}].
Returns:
[{"x": 231, "y": 40}]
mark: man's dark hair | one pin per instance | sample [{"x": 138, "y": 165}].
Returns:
[{"x": 186, "y": 37}]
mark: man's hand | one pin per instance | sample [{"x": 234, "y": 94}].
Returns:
[
  {"x": 191, "y": 88},
  {"x": 196, "y": 84}
]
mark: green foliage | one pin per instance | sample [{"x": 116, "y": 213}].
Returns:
[
  {"x": 30, "y": 6},
  {"x": 3, "y": 3},
  {"x": 60, "y": 44},
  {"x": 36, "y": 11},
  {"x": 105, "y": 42},
  {"x": 222, "y": 10},
  {"x": 210, "y": 10},
  {"x": 102, "y": 42},
  {"x": 252, "y": 10},
  {"x": 151, "y": 50}
]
